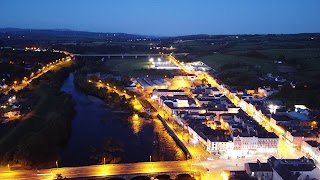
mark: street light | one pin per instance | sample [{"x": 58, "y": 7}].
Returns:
[
  {"x": 151, "y": 164},
  {"x": 57, "y": 164}
]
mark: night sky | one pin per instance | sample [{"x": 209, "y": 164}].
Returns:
[{"x": 164, "y": 17}]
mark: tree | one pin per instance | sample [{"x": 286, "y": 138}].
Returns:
[{"x": 113, "y": 150}]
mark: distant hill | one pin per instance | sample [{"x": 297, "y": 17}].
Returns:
[{"x": 65, "y": 34}]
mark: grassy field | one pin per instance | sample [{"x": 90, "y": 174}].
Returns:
[
  {"x": 236, "y": 63},
  {"x": 135, "y": 67},
  {"x": 127, "y": 64},
  {"x": 218, "y": 60},
  {"x": 132, "y": 65},
  {"x": 197, "y": 46},
  {"x": 305, "y": 53}
]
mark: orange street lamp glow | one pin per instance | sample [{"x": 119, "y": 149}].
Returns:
[{"x": 57, "y": 164}]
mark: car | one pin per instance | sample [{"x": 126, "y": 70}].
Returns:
[{"x": 210, "y": 159}]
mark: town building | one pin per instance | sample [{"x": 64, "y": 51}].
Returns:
[
  {"x": 283, "y": 169},
  {"x": 311, "y": 149},
  {"x": 157, "y": 93}
]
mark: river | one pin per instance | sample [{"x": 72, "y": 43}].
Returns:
[{"x": 93, "y": 123}]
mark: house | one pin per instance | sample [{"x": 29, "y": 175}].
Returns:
[
  {"x": 283, "y": 169},
  {"x": 245, "y": 144},
  {"x": 311, "y": 149},
  {"x": 297, "y": 169},
  {"x": 217, "y": 109},
  {"x": 13, "y": 114},
  {"x": 295, "y": 136},
  {"x": 267, "y": 143},
  {"x": 205, "y": 100},
  {"x": 266, "y": 91},
  {"x": 301, "y": 113},
  {"x": 259, "y": 170},
  {"x": 156, "y": 93},
  {"x": 219, "y": 144},
  {"x": 280, "y": 119}
]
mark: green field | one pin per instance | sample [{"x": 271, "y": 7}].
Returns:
[
  {"x": 127, "y": 64},
  {"x": 240, "y": 62},
  {"x": 137, "y": 68},
  {"x": 218, "y": 60}
]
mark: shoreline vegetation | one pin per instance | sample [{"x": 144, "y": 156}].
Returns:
[
  {"x": 35, "y": 141},
  {"x": 97, "y": 100},
  {"x": 109, "y": 98}
]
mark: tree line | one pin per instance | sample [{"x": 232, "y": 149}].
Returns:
[{"x": 35, "y": 141}]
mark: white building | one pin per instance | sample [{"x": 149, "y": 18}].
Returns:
[
  {"x": 311, "y": 149},
  {"x": 156, "y": 93},
  {"x": 219, "y": 145},
  {"x": 266, "y": 91}
]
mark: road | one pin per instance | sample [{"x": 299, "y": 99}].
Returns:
[
  {"x": 34, "y": 75},
  {"x": 209, "y": 169},
  {"x": 102, "y": 170},
  {"x": 284, "y": 149},
  {"x": 128, "y": 55}
]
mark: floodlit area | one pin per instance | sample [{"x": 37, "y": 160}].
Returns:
[
  {"x": 159, "y": 63},
  {"x": 179, "y": 83}
]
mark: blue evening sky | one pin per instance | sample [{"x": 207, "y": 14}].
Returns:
[{"x": 164, "y": 17}]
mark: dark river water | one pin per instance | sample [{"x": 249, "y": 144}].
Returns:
[{"x": 93, "y": 123}]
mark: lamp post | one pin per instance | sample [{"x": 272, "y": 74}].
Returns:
[
  {"x": 150, "y": 162},
  {"x": 104, "y": 162},
  {"x": 57, "y": 164}
]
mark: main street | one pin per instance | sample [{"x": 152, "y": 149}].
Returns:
[{"x": 284, "y": 149}]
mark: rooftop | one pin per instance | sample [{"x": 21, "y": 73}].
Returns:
[
  {"x": 258, "y": 166},
  {"x": 168, "y": 90},
  {"x": 313, "y": 143},
  {"x": 286, "y": 167}
]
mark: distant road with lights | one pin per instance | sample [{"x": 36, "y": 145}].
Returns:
[
  {"x": 37, "y": 74},
  {"x": 129, "y": 55}
]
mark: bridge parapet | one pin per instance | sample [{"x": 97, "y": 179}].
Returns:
[{"x": 173, "y": 175}]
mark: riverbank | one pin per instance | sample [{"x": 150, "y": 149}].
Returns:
[
  {"x": 109, "y": 98},
  {"x": 35, "y": 141},
  {"x": 94, "y": 126},
  {"x": 95, "y": 99}
]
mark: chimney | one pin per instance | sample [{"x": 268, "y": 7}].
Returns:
[{"x": 259, "y": 163}]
